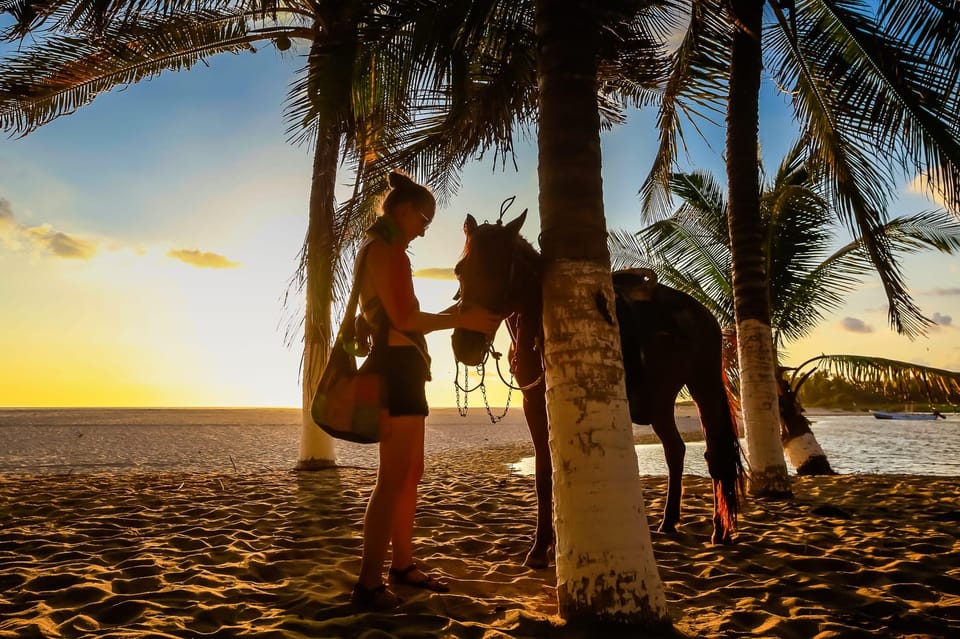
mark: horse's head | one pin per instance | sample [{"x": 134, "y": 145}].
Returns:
[{"x": 487, "y": 274}]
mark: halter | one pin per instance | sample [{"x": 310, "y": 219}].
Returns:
[{"x": 489, "y": 349}]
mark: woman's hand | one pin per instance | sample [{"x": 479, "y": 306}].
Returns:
[{"x": 478, "y": 319}]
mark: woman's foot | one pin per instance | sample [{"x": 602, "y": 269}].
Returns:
[
  {"x": 378, "y": 598},
  {"x": 412, "y": 576}
]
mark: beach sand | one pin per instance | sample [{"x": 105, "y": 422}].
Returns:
[{"x": 275, "y": 555}]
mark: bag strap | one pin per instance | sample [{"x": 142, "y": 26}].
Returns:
[{"x": 349, "y": 313}]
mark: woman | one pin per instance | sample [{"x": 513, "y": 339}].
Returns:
[{"x": 399, "y": 351}]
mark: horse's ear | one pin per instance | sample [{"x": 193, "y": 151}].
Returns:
[
  {"x": 469, "y": 225},
  {"x": 514, "y": 225}
]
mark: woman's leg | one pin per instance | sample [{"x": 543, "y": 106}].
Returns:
[
  {"x": 401, "y": 457},
  {"x": 406, "y": 504}
]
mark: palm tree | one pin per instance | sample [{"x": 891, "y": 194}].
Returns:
[
  {"x": 605, "y": 565},
  {"x": 806, "y": 281},
  {"x": 873, "y": 90},
  {"x": 346, "y": 102},
  {"x": 890, "y": 378}
]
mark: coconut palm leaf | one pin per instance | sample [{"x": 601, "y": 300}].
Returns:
[
  {"x": 807, "y": 279},
  {"x": 846, "y": 268},
  {"x": 892, "y": 378},
  {"x": 61, "y": 73},
  {"x": 860, "y": 91},
  {"x": 694, "y": 90}
]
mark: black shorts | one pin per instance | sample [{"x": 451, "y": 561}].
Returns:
[{"x": 406, "y": 375}]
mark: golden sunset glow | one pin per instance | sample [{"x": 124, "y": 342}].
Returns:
[{"x": 156, "y": 275}]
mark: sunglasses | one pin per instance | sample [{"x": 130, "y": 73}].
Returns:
[{"x": 426, "y": 220}]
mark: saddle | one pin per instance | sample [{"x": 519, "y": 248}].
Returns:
[
  {"x": 642, "y": 309},
  {"x": 635, "y": 284}
]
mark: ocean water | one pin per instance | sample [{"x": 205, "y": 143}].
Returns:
[
  {"x": 852, "y": 443},
  {"x": 256, "y": 439}
]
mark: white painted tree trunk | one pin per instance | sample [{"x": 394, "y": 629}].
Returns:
[
  {"x": 316, "y": 447},
  {"x": 761, "y": 415},
  {"x": 803, "y": 450},
  {"x": 605, "y": 564}
]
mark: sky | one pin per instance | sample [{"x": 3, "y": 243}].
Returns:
[{"x": 147, "y": 241}]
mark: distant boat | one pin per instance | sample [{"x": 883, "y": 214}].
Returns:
[{"x": 882, "y": 414}]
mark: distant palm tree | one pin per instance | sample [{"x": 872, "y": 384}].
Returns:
[
  {"x": 806, "y": 278},
  {"x": 874, "y": 87}
]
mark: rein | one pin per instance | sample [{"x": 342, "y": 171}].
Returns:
[
  {"x": 462, "y": 410},
  {"x": 481, "y": 370},
  {"x": 515, "y": 338}
]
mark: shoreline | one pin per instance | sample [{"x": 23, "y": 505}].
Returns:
[{"x": 274, "y": 554}]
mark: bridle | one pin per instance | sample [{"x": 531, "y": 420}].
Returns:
[{"x": 489, "y": 349}]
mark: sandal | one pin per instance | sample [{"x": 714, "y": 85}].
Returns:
[
  {"x": 379, "y": 598},
  {"x": 401, "y": 576}
]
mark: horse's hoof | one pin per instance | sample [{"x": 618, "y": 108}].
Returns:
[
  {"x": 537, "y": 558},
  {"x": 721, "y": 540},
  {"x": 667, "y": 529}
]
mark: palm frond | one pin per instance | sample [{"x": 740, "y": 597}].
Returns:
[
  {"x": 61, "y": 73},
  {"x": 839, "y": 67},
  {"x": 694, "y": 89},
  {"x": 890, "y": 377},
  {"x": 933, "y": 229},
  {"x": 690, "y": 250}
]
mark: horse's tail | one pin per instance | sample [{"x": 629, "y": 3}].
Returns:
[{"x": 725, "y": 463}]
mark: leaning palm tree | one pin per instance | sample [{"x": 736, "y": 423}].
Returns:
[
  {"x": 887, "y": 377},
  {"x": 806, "y": 279},
  {"x": 874, "y": 87},
  {"x": 347, "y": 102}
]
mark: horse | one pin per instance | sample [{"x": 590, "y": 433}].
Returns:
[{"x": 669, "y": 340}]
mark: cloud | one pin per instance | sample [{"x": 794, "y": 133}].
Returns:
[
  {"x": 942, "y": 320},
  {"x": 928, "y": 185},
  {"x": 855, "y": 325},
  {"x": 6, "y": 212},
  {"x": 47, "y": 240},
  {"x": 201, "y": 259},
  {"x": 43, "y": 238},
  {"x": 946, "y": 291},
  {"x": 436, "y": 273}
]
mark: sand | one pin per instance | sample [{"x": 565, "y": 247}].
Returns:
[{"x": 275, "y": 555}]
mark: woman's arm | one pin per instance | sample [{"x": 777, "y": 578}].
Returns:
[
  {"x": 389, "y": 271},
  {"x": 476, "y": 319}
]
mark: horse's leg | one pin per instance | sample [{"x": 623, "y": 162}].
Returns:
[
  {"x": 655, "y": 373},
  {"x": 535, "y": 411},
  {"x": 723, "y": 450},
  {"x": 665, "y": 426}
]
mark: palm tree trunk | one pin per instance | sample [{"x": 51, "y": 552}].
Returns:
[
  {"x": 758, "y": 382},
  {"x": 605, "y": 565},
  {"x": 334, "y": 48},
  {"x": 804, "y": 451},
  {"x": 800, "y": 445},
  {"x": 316, "y": 447},
  {"x": 332, "y": 58}
]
